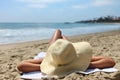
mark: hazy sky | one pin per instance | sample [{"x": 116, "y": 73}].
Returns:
[{"x": 56, "y": 10}]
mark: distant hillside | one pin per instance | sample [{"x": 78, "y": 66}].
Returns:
[{"x": 106, "y": 19}]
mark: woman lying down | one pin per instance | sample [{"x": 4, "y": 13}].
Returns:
[{"x": 64, "y": 57}]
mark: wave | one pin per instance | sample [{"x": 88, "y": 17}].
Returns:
[{"x": 11, "y": 35}]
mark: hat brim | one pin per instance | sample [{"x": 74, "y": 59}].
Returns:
[{"x": 80, "y": 63}]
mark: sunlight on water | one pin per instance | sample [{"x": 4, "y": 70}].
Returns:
[{"x": 21, "y": 32}]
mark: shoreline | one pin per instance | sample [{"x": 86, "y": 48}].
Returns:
[
  {"x": 47, "y": 39},
  {"x": 105, "y": 44},
  {"x": 7, "y": 36}
]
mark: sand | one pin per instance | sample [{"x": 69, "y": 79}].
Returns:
[{"x": 106, "y": 44}]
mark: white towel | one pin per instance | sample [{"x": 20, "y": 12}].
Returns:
[
  {"x": 40, "y": 55},
  {"x": 39, "y": 75}
]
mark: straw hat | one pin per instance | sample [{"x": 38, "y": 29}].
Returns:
[{"x": 64, "y": 57}]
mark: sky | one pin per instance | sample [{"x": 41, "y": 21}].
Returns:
[{"x": 56, "y": 10}]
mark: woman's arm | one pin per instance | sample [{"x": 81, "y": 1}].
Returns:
[
  {"x": 29, "y": 65},
  {"x": 101, "y": 62}
]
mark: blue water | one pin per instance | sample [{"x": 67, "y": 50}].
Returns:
[{"x": 22, "y": 32}]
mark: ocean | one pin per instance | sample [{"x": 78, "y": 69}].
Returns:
[{"x": 22, "y": 32}]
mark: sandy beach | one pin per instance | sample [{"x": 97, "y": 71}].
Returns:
[{"x": 106, "y": 44}]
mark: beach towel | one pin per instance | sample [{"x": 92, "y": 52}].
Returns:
[{"x": 39, "y": 75}]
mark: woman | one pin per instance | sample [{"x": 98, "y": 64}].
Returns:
[{"x": 34, "y": 64}]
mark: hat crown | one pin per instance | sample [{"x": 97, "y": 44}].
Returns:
[
  {"x": 61, "y": 51},
  {"x": 64, "y": 57}
]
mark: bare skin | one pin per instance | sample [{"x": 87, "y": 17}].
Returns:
[
  {"x": 34, "y": 65},
  {"x": 101, "y": 62}
]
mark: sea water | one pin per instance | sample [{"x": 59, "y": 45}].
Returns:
[{"x": 22, "y": 32}]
